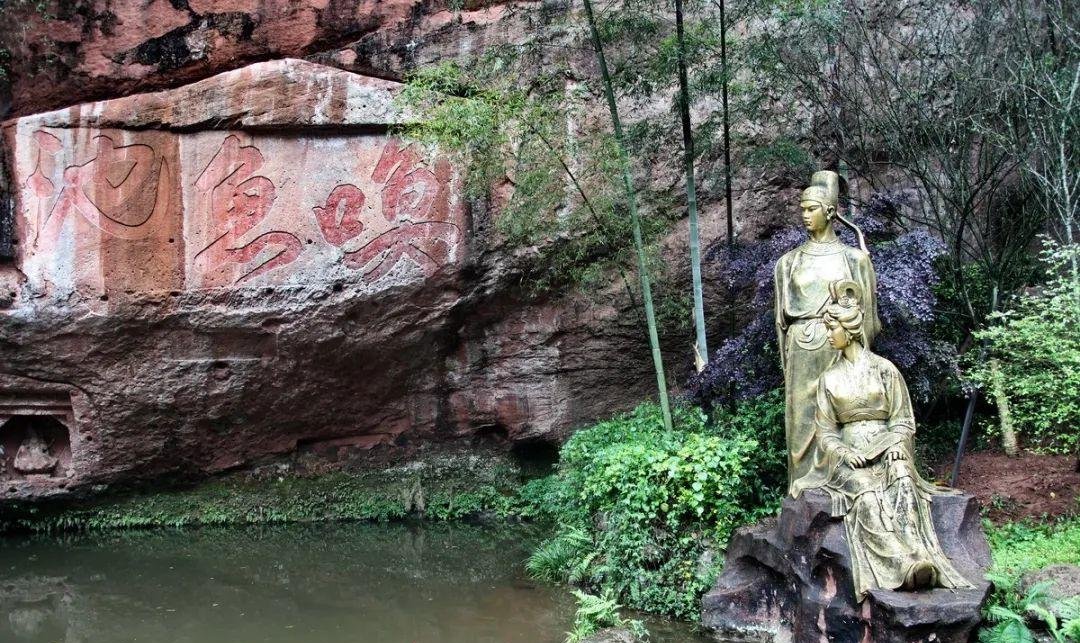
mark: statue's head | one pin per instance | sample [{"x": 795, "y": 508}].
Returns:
[
  {"x": 819, "y": 201},
  {"x": 843, "y": 316}
]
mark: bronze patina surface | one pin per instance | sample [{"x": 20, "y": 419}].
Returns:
[
  {"x": 865, "y": 461},
  {"x": 802, "y": 279}
]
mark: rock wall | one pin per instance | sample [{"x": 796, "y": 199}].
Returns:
[
  {"x": 256, "y": 264},
  {"x": 64, "y": 52}
]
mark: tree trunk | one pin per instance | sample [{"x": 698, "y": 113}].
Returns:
[
  {"x": 702, "y": 349},
  {"x": 997, "y": 389}
]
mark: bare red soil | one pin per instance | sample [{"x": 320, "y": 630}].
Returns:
[{"x": 1027, "y": 486}]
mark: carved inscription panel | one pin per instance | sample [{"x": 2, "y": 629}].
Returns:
[
  {"x": 100, "y": 211},
  {"x": 108, "y": 212},
  {"x": 283, "y": 210}
]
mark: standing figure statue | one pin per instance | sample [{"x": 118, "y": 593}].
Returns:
[
  {"x": 802, "y": 281},
  {"x": 866, "y": 461}
]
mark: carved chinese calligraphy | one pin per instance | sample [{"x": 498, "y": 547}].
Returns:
[
  {"x": 116, "y": 190},
  {"x": 98, "y": 212},
  {"x": 416, "y": 200},
  {"x": 339, "y": 218},
  {"x": 109, "y": 211},
  {"x": 240, "y": 200},
  {"x": 280, "y": 210}
]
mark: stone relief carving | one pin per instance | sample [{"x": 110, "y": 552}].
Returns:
[{"x": 33, "y": 456}]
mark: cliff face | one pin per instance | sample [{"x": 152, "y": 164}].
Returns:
[
  {"x": 62, "y": 53},
  {"x": 227, "y": 260},
  {"x": 253, "y": 264}
]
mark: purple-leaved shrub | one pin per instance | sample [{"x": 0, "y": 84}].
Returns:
[{"x": 747, "y": 363}]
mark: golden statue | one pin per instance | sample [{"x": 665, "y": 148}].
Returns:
[
  {"x": 865, "y": 460},
  {"x": 802, "y": 292}
]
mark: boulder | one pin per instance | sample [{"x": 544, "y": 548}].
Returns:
[{"x": 788, "y": 578}]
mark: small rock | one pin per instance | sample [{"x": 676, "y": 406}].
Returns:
[
  {"x": 611, "y": 635},
  {"x": 1064, "y": 584}
]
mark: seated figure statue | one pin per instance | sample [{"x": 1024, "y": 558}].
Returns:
[{"x": 865, "y": 461}]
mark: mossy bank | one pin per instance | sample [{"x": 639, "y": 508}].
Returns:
[{"x": 435, "y": 483}]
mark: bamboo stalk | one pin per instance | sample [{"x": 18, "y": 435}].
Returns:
[
  {"x": 691, "y": 193},
  {"x": 635, "y": 222}
]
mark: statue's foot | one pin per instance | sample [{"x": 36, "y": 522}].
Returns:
[{"x": 921, "y": 575}]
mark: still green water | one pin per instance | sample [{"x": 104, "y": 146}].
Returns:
[{"x": 326, "y": 583}]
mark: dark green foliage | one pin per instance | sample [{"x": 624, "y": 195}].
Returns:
[{"x": 642, "y": 510}]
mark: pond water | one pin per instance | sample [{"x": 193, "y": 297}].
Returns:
[{"x": 326, "y": 583}]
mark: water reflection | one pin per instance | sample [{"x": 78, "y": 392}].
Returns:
[{"x": 327, "y": 583}]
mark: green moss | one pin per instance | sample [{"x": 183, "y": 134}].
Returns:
[{"x": 439, "y": 487}]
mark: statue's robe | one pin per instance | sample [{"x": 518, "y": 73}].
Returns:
[{"x": 802, "y": 278}]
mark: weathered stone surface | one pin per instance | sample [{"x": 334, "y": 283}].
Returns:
[
  {"x": 286, "y": 93},
  {"x": 104, "y": 48},
  {"x": 789, "y": 579},
  {"x": 191, "y": 295}
]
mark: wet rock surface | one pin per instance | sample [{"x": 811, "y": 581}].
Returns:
[{"x": 789, "y": 579}]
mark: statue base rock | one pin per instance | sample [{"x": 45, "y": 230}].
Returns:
[{"x": 788, "y": 579}]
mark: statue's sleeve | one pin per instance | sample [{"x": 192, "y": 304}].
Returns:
[
  {"x": 868, "y": 281},
  {"x": 826, "y": 424},
  {"x": 779, "y": 284},
  {"x": 901, "y": 415}
]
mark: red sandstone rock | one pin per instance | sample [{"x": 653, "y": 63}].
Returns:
[
  {"x": 72, "y": 52},
  {"x": 207, "y": 277}
]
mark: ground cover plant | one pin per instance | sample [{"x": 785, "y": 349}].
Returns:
[
  {"x": 1023, "y": 547},
  {"x": 640, "y": 511}
]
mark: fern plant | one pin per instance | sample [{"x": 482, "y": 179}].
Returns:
[
  {"x": 563, "y": 558},
  {"x": 595, "y": 613},
  {"x": 1011, "y": 620}
]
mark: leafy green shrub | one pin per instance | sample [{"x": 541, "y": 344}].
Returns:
[
  {"x": 1037, "y": 345},
  {"x": 641, "y": 509}
]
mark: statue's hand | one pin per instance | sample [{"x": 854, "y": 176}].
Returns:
[
  {"x": 895, "y": 453},
  {"x": 854, "y": 460}
]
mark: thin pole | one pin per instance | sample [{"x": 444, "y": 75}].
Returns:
[
  {"x": 635, "y": 223},
  {"x": 727, "y": 126},
  {"x": 969, "y": 413}
]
